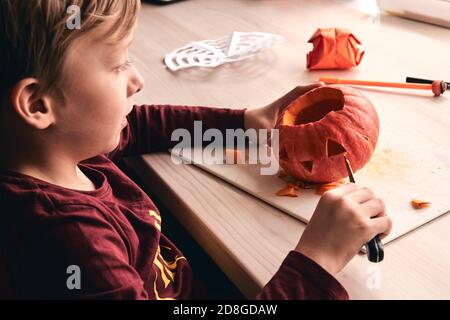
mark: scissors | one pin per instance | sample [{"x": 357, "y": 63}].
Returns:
[{"x": 374, "y": 248}]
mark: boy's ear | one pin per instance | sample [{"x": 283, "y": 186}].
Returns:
[{"x": 32, "y": 106}]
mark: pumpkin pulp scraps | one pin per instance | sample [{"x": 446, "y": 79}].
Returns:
[{"x": 419, "y": 204}]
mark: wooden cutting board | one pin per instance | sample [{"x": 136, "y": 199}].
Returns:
[{"x": 412, "y": 160}]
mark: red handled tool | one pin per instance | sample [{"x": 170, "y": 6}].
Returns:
[{"x": 438, "y": 87}]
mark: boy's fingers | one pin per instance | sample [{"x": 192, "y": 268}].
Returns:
[
  {"x": 361, "y": 195},
  {"x": 381, "y": 226},
  {"x": 343, "y": 190},
  {"x": 295, "y": 93},
  {"x": 300, "y": 90},
  {"x": 383, "y": 235},
  {"x": 381, "y": 214},
  {"x": 375, "y": 207}
]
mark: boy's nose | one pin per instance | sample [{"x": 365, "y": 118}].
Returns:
[{"x": 136, "y": 83}]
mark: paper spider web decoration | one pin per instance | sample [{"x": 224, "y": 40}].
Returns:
[{"x": 211, "y": 53}]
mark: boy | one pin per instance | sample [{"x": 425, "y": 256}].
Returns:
[{"x": 66, "y": 117}]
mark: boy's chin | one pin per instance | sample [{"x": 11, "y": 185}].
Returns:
[
  {"x": 114, "y": 142},
  {"x": 113, "y": 145}
]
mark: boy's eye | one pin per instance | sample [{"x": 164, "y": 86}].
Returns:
[{"x": 124, "y": 66}]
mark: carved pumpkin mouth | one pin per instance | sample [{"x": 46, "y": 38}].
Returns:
[
  {"x": 333, "y": 148},
  {"x": 314, "y": 106}
]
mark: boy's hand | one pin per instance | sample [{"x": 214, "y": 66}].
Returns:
[
  {"x": 345, "y": 219},
  {"x": 266, "y": 117}
]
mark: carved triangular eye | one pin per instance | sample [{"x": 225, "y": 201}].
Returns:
[
  {"x": 334, "y": 148},
  {"x": 308, "y": 165}
]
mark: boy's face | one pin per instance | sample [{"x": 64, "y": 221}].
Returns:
[{"x": 98, "y": 82}]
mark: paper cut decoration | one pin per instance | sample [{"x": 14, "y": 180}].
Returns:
[
  {"x": 334, "y": 48},
  {"x": 211, "y": 53}
]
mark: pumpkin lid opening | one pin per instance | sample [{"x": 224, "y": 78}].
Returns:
[{"x": 313, "y": 106}]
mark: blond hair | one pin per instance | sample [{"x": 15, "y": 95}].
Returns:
[{"x": 34, "y": 34}]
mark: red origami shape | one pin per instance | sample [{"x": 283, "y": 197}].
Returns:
[{"x": 334, "y": 48}]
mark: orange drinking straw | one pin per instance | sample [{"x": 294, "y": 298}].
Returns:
[{"x": 436, "y": 87}]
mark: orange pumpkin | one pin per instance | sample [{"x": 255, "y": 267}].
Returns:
[{"x": 318, "y": 128}]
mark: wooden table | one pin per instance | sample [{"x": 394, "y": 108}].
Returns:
[{"x": 247, "y": 238}]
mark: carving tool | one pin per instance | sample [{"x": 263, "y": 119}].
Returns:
[
  {"x": 374, "y": 248},
  {"x": 437, "y": 87},
  {"x": 443, "y": 84}
]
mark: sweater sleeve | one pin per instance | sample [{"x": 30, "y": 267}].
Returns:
[
  {"x": 300, "y": 278},
  {"x": 75, "y": 253},
  {"x": 150, "y": 127}
]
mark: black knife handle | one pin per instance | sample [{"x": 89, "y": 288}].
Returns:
[
  {"x": 418, "y": 80},
  {"x": 375, "y": 250}
]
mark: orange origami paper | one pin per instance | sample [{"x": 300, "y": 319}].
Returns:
[{"x": 334, "y": 48}]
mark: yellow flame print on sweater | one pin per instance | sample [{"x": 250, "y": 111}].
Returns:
[{"x": 165, "y": 268}]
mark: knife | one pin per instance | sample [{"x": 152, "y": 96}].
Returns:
[{"x": 374, "y": 248}]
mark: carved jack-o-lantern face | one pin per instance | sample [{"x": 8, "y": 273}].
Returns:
[{"x": 318, "y": 128}]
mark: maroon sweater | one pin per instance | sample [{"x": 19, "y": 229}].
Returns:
[{"x": 113, "y": 234}]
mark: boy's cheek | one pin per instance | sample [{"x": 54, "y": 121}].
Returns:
[
  {"x": 98, "y": 102},
  {"x": 96, "y": 138}
]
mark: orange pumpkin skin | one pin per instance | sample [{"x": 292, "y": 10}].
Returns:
[{"x": 318, "y": 128}]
